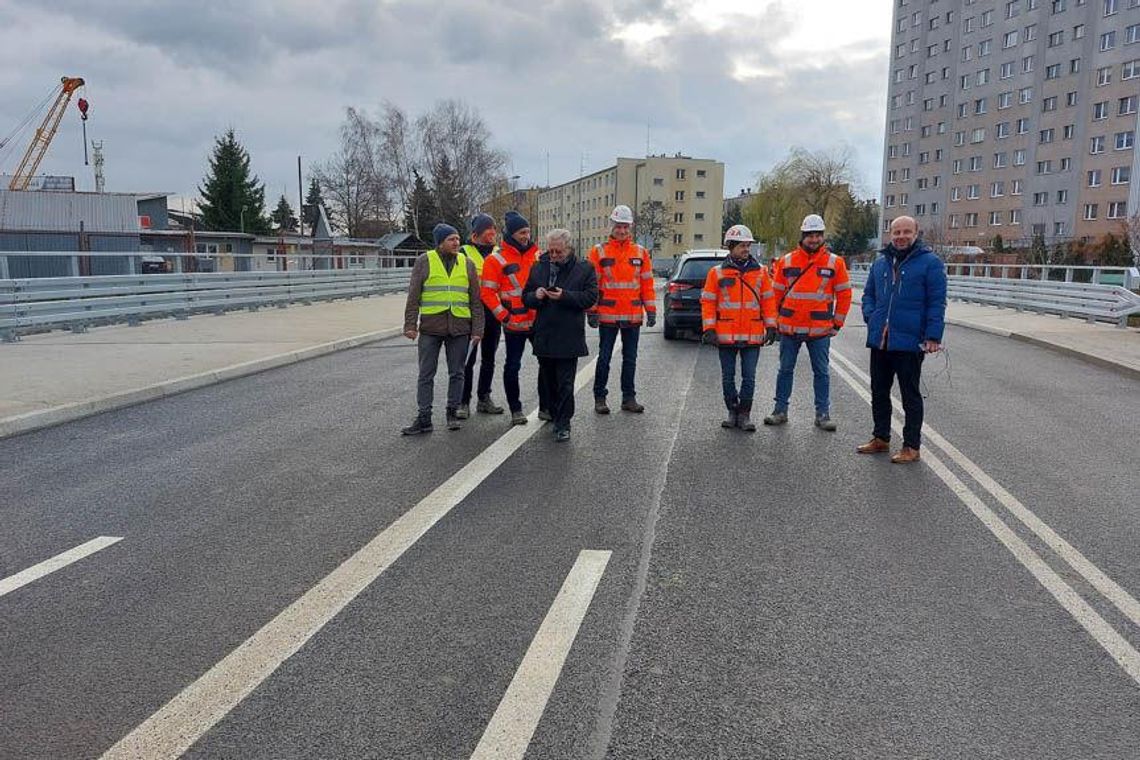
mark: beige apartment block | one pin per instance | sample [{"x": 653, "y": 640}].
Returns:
[
  {"x": 691, "y": 189},
  {"x": 1013, "y": 118}
]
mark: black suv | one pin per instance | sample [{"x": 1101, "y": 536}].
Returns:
[{"x": 683, "y": 290}]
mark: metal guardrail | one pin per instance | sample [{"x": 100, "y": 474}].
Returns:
[
  {"x": 1090, "y": 301},
  {"x": 78, "y": 302},
  {"x": 1127, "y": 277}
]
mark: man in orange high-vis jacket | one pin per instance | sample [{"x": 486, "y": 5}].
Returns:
[
  {"x": 504, "y": 274},
  {"x": 814, "y": 295},
  {"x": 625, "y": 291},
  {"x": 738, "y": 313}
]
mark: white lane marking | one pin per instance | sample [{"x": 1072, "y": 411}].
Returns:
[
  {"x": 1110, "y": 589},
  {"x": 48, "y": 566},
  {"x": 1116, "y": 645},
  {"x": 509, "y": 733},
  {"x": 185, "y": 718}
]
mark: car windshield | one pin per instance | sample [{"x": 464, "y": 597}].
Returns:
[{"x": 696, "y": 270}]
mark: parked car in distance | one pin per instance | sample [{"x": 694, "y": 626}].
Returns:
[{"x": 682, "y": 308}]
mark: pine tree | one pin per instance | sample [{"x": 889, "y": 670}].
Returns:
[
  {"x": 233, "y": 198},
  {"x": 447, "y": 193},
  {"x": 282, "y": 217},
  {"x": 313, "y": 199},
  {"x": 422, "y": 213}
]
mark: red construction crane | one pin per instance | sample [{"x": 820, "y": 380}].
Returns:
[{"x": 47, "y": 129}]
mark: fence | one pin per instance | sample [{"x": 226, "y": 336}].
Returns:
[
  {"x": 1044, "y": 289},
  {"x": 39, "y": 303}
]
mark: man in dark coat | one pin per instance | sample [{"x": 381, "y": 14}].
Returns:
[{"x": 560, "y": 288}]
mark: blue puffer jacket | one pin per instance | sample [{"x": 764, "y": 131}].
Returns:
[{"x": 904, "y": 300}]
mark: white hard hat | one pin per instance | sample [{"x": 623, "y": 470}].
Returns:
[
  {"x": 813, "y": 223},
  {"x": 621, "y": 215},
  {"x": 738, "y": 233}
]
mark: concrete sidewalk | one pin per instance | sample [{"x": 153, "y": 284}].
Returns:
[{"x": 55, "y": 377}]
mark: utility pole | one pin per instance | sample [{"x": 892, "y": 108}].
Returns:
[
  {"x": 97, "y": 152},
  {"x": 300, "y": 201}
]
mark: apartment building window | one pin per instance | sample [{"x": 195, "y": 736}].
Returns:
[
  {"x": 1058, "y": 229},
  {"x": 680, "y": 174},
  {"x": 1096, "y": 145},
  {"x": 983, "y": 77},
  {"x": 980, "y": 106},
  {"x": 909, "y": 126},
  {"x": 938, "y": 155},
  {"x": 1030, "y": 33},
  {"x": 1104, "y": 76},
  {"x": 955, "y": 221},
  {"x": 678, "y": 218},
  {"x": 1012, "y": 8},
  {"x": 1053, "y": 71},
  {"x": 1015, "y": 216},
  {"x": 1121, "y": 175},
  {"x": 934, "y": 208},
  {"x": 1045, "y": 167},
  {"x": 924, "y": 157},
  {"x": 904, "y": 199},
  {"x": 963, "y": 110},
  {"x": 959, "y": 139},
  {"x": 1079, "y": 32},
  {"x": 928, "y": 104},
  {"x": 1049, "y": 103},
  {"x": 1015, "y": 187},
  {"x": 1004, "y": 100},
  {"x": 997, "y": 189},
  {"x": 1058, "y": 6},
  {"x": 978, "y": 135},
  {"x": 937, "y": 181},
  {"x": 995, "y": 218},
  {"x": 973, "y": 192},
  {"x": 905, "y": 176},
  {"x": 1117, "y": 210},
  {"x": 1001, "y": 160},
  {"x": 964, "y": 82},
  {"x": 1066, "y": 164},
  {"x": 679, "y": 196},
  {"x": 1024, "y": 95},
  {"x": 698, "y": 237},
  {"x": 1124, "y": 140},
  {"x": 922, "y": 183},
  {"x": 1030, "y": 5},
  {"x": 1002, "y": 130},
  {"x": 914, "y": 46},
  {"x": 1040, "y": 199},
  {"x": 972, "y": 219},
  {"x": 1070, "y": 99},
  {"x": 1094, "y": 178},
  {"x": 1130, "y": 69},
  {"x": 1045, "y": 135},
  {"x": 945, "y": 73},
  {"x": 1067, "y": 133},
  {"x": 975, "y": 163},
  {"x": 1090, "y": 211},
  {"x": 658, "y": 181},
  {"x": 1056, "y": 39},
  {"x": 1127, "y": 105},
  {"x": 1062, "y": 197},
  {"x": 984, "y": 47},
  {"x": 925, "y": 131},
  {"x": 700, "y": 193},
  {"x": 928, "y": 78},
  {"x": 1006, "y": 70},
  {"x": 968, "y": 26},
  {"x": 955, "y": 194},
  {"x": 943, "y": 100},
  {"x": 900, "y": 50},
  {"x": 933, "y": 23},
  {"x": 678, "y": 239},
  {"x": 1108, "y": 41},
  {"x": 987, "y": 18},
  {"x": 957, "y": 166},
  {"x": 1100, "y": 110},
  {"x": 892, "y": 176},
  {"x": 1132, "y": 34},
  {"x": 1027, "y": 64},
  {"x": 1010, "y": 39},
  {"x": 1075, "y": 66},
  {"x": 1022, "y": 126},
  {"x": 920, "y": 209},
  {"x": 1109, "y": 7},
  {"x": 702, "y": 173}
]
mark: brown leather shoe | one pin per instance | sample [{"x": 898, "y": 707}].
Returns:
[
  {"x": 906, "y": 455},
  {"x": 874, "y": 446}
]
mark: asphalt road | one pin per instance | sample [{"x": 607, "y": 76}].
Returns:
[{"x": 770, "y": 595}]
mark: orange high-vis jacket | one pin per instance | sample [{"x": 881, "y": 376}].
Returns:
[
  {"x": 501, "y": 286},
  {"x": 739, "y": 303},
  {"x": 814, "y": 293},
  {"x": 625, "y": 282}
]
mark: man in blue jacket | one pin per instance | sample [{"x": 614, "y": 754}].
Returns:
[{"x": 904, "y": 306}]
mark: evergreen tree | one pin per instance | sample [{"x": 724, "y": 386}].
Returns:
[
  {"x": 448, "y": 196},
  {"x": 732, "y": 218},
  {"x": 421, "y": 213},
  {"x": 233, "y": 198},
  {"x": 282, "y": 217},
  {"x": 313, "y": 199}
]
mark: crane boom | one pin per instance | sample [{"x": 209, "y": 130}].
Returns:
[{"x": 40, "y": 143}]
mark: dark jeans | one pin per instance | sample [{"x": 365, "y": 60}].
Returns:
[
  {"x": 607, "y": 335},
  {"x": 492, "y": 330},
  {"x": 907, "y": 367},
  {"x": 455, "y": 348},
  {"x": 818, "y": 349},
  {"x": 557, "y": 375},
  {"x": 749, "y": 355},
  {"x": 515, "y": 345}
]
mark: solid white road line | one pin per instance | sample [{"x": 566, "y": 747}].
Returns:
[
  {"x": 184, "y": 719},
  {"x": 509, "y": 733},
  {"x": 1116, "y": 645},
  {"x": 1110, "y": 589},
  {"x": 35, "y": 572}
]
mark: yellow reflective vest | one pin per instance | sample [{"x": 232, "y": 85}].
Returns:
[{"x": 443, "y": 291}]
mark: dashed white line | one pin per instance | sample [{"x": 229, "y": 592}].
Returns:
[
  {"x": 48, "y": 566},
  {"x": 511, "y": 727},
  {"x": 190, "y": 714}
]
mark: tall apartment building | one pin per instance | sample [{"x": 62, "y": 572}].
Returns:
[
  {"x": 1013, "y": 118},
  {"x": 692, "y": 190}
]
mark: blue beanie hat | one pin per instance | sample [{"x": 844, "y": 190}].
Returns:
[
  {"x": 481, "y": 222},
  {"x": 443, "y": 231},
  {"x": 513, "y": 221}
]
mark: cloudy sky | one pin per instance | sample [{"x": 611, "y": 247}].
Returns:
[{"x": 580, "y": 81}]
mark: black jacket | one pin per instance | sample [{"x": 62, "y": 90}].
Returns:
[{"x": 560, "y": 326}]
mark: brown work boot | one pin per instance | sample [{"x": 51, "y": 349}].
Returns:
[
  {"x": 600, "y": 405},
  {"x": 874, "y": 446},
  {"x": 906, "y": 455},
  {"x": 630, "y": 405}
]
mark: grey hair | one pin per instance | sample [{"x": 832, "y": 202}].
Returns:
[{"x": 558, "y": 235}]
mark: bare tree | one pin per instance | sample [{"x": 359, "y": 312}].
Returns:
[
  {"x": 776, "y": 209},
  {"x": 353, "y": 181},
  {"x": 825, "y": 178},
  {"x": 401, "y": 158},
  {"x": 455, "y": 129},
  {"x": 654, "y": 222}
]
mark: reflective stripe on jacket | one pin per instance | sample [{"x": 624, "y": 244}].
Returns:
[
  {"x": 625, "y": 282},
  {"x": 504, "y": 274},
  {"x": 738, "y": 302},
  {"x": 814, "y": 292},
  {"x": 446, "y": 291}
]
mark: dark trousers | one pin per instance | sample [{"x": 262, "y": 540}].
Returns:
[
  {"x": 907, "y": 367},
  {"x": 557, "y": 375},
  {"x": 492, "y": 330},
  {"x": 454, "y": 348},
  {"x": 607, "y": 336},
  {"x": 515, "y": 345},
  {"x": 749, "y": 355}
]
